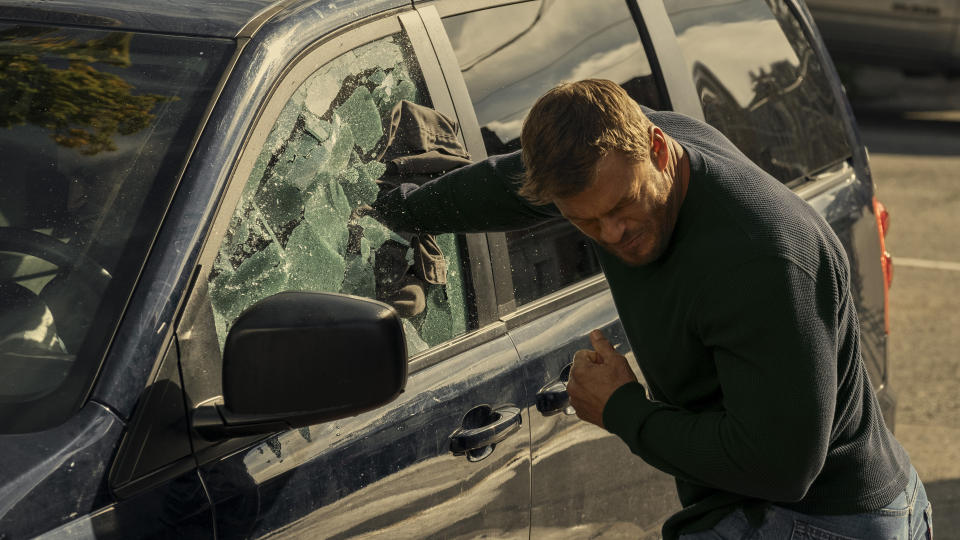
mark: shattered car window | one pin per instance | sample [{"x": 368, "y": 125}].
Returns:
[{"x": 300, "y": 224}]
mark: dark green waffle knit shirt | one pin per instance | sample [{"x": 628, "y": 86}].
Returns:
[{"x": 745, "y": 331}]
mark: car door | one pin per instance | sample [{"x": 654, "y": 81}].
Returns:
[
  {"x": 586, "y": 482},
  {"x": 423, "y": 466}
]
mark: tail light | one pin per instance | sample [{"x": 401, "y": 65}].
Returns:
[{"x": 886, "y": 261}]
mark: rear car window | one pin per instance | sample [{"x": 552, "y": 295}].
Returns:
[
  {"x": 96, "y": 127},
  {"x": 761, "y": 83},
  {"x": 510, "y": 56}
]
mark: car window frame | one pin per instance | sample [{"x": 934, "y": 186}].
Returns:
[
  {"x": 299, "y": 70},
  {"x": 677, "y": 88},
  {"x": 674, "y": 91},
  {"x": 495, "y": 244},
  {"x": 478, "y": 274}
]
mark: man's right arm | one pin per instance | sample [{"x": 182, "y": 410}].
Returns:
[{"x": 481, "y": 197}]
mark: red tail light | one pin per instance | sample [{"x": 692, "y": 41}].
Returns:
[{"x": 886, "y": 261}]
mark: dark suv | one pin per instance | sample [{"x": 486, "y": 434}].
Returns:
[{"x": 169, "y": 169}]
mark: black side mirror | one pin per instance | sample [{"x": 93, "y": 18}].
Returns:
[{"x": 296, "y": 359}]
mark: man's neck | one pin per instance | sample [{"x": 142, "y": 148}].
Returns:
[{"x": 679, "y": 167}]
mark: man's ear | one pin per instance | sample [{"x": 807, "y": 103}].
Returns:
[{"x": 659, "y": 149}]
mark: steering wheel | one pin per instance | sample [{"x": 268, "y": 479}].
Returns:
[
  {"x": 48, "y": 248},
  {"x": 62, "y": 294}
]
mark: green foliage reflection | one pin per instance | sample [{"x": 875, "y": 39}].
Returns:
[{"x": 81, "y": 106}]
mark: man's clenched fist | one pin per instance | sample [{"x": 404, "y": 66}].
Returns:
[{"x": 594, "y": 377}]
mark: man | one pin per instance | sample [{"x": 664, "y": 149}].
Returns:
[{"x": 735, "y": 296}]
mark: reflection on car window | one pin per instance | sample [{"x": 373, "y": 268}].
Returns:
[
  {"x": 761, "y": 83},
  {"x": 96, "y": 127},
  {"x": 297, "y": 226},
  {"x": 510, "y": 56}
]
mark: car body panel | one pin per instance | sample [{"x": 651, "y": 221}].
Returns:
[
  {"x": 177, "y": 508},
  {"x": 840, "y": 198},
  {"x": 569, "y": 490},
  {"x": 207, "y": 18},
  {"x": 70, "y": 461},
  {"x": 389, "y": 472}
]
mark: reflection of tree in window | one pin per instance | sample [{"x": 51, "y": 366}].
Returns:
[
  {"x": 788, "y": 123},
  {"x": 81, "y": 106}
]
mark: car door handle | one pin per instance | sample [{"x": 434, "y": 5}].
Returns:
[
  {"x": 553, "y": 398},
  {"x": 498, "y": 425}
]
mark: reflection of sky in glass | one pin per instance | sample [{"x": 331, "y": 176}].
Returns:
[
  {"x": 686, "y": 13},
  {"x": 726, "y": 48},
  {"x": 544, "y": 51},
  {"x": 726, "y": 35}
]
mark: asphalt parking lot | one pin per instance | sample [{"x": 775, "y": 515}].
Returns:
[{"x": 912, "y": 128}]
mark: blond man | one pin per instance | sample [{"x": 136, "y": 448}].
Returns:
[{"x": 736, "y": 298}]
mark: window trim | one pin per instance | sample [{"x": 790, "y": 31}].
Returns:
[
  {"x": 657, "y": 34},
  {"x": 486, "y": 277},
  {"x": 829, "y": 179},
  {"x": 432, "y": 14},
  {"x": 557, "y": 300},
  {"x": 499, "y": 299}
]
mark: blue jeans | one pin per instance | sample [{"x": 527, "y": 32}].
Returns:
[{"x": 908, "y": 517}]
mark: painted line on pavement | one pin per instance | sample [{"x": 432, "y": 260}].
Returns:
[{"x": 924, "y": 263}]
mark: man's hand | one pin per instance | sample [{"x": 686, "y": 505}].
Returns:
[{"x": 594, "y": 377}]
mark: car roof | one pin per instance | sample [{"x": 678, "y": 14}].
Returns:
[{"x": 214, "y": 18}]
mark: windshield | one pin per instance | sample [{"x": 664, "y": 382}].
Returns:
[{"x": 95, "y": 127}]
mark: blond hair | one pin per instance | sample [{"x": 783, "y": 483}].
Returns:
[{"x": 570, "y": 128}]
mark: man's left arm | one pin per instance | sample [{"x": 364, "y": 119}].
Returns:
[
  {"x": 772, "y": 329},
  {"x": 480, "y": 197}
]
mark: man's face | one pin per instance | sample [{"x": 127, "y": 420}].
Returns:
[{"x": 630, "y": 208}]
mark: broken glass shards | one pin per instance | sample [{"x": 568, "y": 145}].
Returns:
[
  {"x": 317, "y": 254},
  {"x": 361, "y": 112},
  {"x": 258, "y": 276},
  {"x": 445, "y": 316},
  {"x": 415, "y": 345}
]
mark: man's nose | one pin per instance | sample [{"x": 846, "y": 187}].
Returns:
[{"x": 611, "y": 230}]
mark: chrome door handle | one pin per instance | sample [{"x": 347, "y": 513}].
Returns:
[
  {"x": 499, "y": 424},
  {"x": 553, "y": 398}
]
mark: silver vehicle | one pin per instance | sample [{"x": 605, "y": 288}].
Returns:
[{"x": 915, "y": 35}]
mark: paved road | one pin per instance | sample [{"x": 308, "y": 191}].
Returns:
[{"x": 912, "y": 129}]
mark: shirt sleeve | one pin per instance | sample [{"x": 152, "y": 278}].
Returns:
[
  {"x": 772, "y": 329},
  {"x": 481, "y": 197}
]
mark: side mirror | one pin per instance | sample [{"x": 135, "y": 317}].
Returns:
[{"x": 296, "y": 359}]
